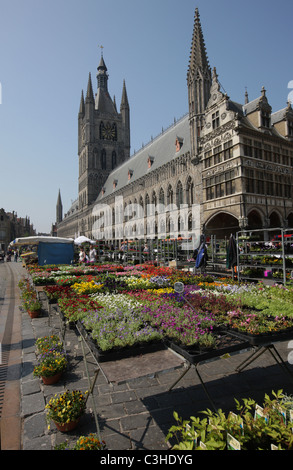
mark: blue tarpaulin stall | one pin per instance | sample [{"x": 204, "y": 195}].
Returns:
[
  {"x": 50, "y": 250},
  {"x": 55, "y": 253}
]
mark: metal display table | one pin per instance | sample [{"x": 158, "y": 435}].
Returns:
[
  {"x": 123, "y": 369},
  {"x": 258, "y": 344},
  {"x": 128, "y": 368}
]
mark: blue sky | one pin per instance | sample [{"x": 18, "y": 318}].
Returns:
[{"x": 48, "y": 48}]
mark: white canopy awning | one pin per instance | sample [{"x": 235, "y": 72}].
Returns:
[
  {"x": 83, "y": 239},
  {"x": 36, "y": 240}
]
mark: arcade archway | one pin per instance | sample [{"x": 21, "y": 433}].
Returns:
[{"x": 222, "y": 225}]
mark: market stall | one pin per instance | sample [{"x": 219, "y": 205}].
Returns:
[{"x": 49, "y": 250}]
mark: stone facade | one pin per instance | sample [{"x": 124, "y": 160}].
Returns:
[
  {"x": 12, "y": 226},
  {"x": 222, "y": 167}
]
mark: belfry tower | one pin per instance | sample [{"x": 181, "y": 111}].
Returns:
[
  {"x": 103, "y": 136},
  {"x": 199, "y": 81}
]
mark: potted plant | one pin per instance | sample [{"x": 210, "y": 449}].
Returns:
[
  {"x": 90, "y": 442},
  {"x": 51, "y": 366},
  {"x": 48, "y": 343},
  {"x": 33, "y": 307},
  {"x": 66, "y": 409}
]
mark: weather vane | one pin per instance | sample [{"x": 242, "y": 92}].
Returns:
[{"x": 101, "y": 47}]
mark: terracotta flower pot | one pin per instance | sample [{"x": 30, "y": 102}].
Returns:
[
  {"x": 52, "y": 380},
  {"x": 34, "y": 313},
  {"x": 66, "y": 427}
]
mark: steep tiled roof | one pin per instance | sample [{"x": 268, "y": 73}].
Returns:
[{"x": 161, "y": 150}]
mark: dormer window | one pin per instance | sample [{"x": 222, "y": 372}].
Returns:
[
  {"x": 290, "y": 128},
  {"x": 130, "y": 173},
  {"x": 215, "y": 120},
  {"x": 178, "y": 143},
  {"x": 115, "y": 182},
  {"x": 150, "y": 161},
  {"x": 103, "y": 191},
  {"x": 265, "y": 119}
]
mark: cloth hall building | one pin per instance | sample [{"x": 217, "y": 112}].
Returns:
[{"x": 223, "y": 167}]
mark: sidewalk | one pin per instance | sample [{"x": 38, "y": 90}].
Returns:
[{"x": 134, "y": 414}]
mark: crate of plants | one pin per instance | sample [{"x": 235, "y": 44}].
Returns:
[
  {"x": 209, "y": 346},
  {"x": 119, "y": 331},
  {"x": 259, "y": 328}
]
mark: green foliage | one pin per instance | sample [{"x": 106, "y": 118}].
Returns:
[{"x": 252, "y": 431}]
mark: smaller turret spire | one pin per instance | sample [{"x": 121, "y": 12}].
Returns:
[
  {"x": 102, "y": 75},
  {"x": 81, "y": 106},
  {"x": 89, "y": 93},
  {"x": 246, "y": 96},
  {"x": 124, "y": 99}
]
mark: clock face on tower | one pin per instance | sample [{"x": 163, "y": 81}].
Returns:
[{"x": 108, "y": 131}]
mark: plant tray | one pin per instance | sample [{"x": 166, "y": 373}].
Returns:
[
  {"x": 118, "y": 353},
  {"x": 225, "y": 344},
  {"x": 263, "y": 338}
]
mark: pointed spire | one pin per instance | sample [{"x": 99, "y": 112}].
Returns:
[
  {"x": 215, "y": 80},
  {"x": 246, "y": 96},
  {"x": 198, "y": 55},
  {"x": 102, "y": 65},
  {"x": 89, "y": 93},
  {"x": 114, "y": 102},
  {"x": 124, "y": 99},
  {"x": 81, "y": 106},
  {"x": 59, "y": 202},
  {"x": 102, "y": 75},
  {"x": 59, "y": 209}
]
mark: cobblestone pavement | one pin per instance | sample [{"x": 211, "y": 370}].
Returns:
[{"x": 133, "y": 414}]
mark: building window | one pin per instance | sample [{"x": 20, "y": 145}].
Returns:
[
  {"x": 265, "y": 119},
  {"x": 269, "y": 184},
  {"x": 150, "y": 161},
  {"x": 249, "y": 183},
  {"x": 169, "y": 195},
  {"x": 290, "y": 128},
  {"x": 247, "y": 147},
  {"x": 219, "y": 190},
  {"x": 179, "y": 194},
  {"x": 267, "y": 153},
  {"x": 230, "y": 182},
  {"x": 276, "y": 155},
  {"x": 257, "y": 150},
  {"x": 259, "y": 183},
  {"x": 208, "y": 159},
  {"x": 178, "y": 143},
  {"x": 103, "y": 160},
  {"x": 209, "y": 189},
  {"x": 279, "y": 185},
  {"x": 190, "y": 192},
  {"x": 161, "y": 197},
  {"x": 215, "y": 120},
  {"x": 217, "y": 154},
  {"x": 287, "y": 187},
  {"x": 114, "y": 159},
  {"x": 228, "y": 150}
]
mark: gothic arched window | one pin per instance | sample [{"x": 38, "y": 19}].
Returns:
[
  {"x": 190, "y": 192},
  {"x": 161, "y": 197},
  {"x": 95, "y": 158},
  {"x": 179, "y": 194},
  {"x": 103, "y": 160},
  {"x": 169, "y": 195},
  {"x": 114, "y": 159}
]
